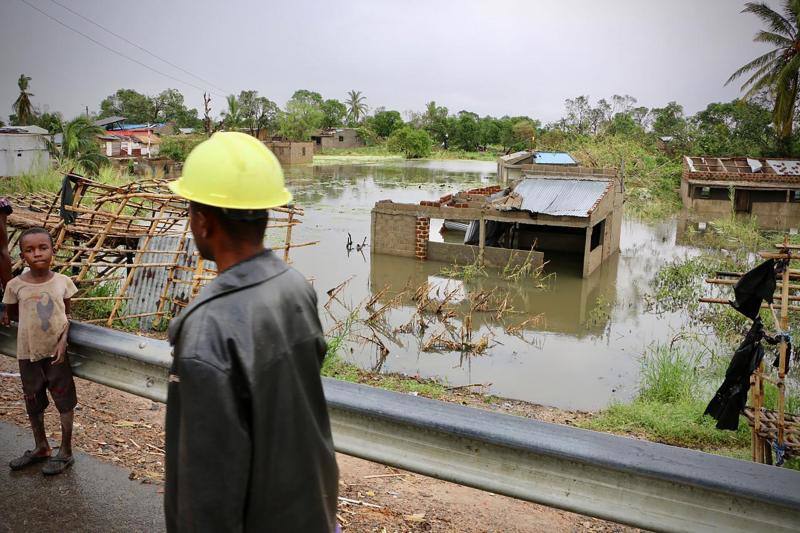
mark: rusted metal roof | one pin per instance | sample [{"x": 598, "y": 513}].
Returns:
[{"x": 561, "y": 197}]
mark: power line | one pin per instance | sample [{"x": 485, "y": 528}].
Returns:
[
  {"x": 98, "y": 43},
  {"x": 143, "y": 49}
]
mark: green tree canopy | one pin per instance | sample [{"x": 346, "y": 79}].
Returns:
[
  {"x": 49, "y": 121},
  {"x": 734, "y": 128},
  {"x": 169, "y": 106},
  {"x": 301, "y": 119},
  {"x": 134, "y": 106},
  {"x": 779, "y": 69},
  {"x": 334, "y": 113},
  {"x": 411, "y": 142},
  {"x": 258, "y": 112},
  {"x": 384, "y": 123},
  {"x": 467, "y": 134},
  {"x": 669, "y": 120}
]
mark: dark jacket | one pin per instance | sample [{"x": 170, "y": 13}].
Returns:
[{"x": 248, "y": 441}]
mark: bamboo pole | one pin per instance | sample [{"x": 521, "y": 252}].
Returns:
[{"x": 288, "y": 241}]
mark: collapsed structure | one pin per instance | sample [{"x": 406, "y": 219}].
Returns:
[
  {"x": 768, "y": 187},
  {"x": 572, "y": 210},
  {"x": 514, "y": 166},
  {"x": 128, "y": 248}
]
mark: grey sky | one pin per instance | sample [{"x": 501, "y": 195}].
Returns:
[{"x": 492, "y": 57}]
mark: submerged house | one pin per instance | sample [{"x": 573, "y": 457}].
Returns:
[
  {"x": 291, "y": 152},
  {"x": 337, "y": 138},
  {"x": 513, "y": 166},
  {"x": 577, "y": 211},
  {"x": 760, "y": 186}
]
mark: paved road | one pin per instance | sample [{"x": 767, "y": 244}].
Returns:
[{"x": 89, "y": 496}]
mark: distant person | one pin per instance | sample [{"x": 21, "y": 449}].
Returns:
[
  {"x": 248, "y": 439},
  {"x": 39, "y": 300}
]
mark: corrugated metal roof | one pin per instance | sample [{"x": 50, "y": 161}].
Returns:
[
  {"x": 108, "y": 121},
  {"x": 34, "y": 130},
  {"x": 516, "y": 156},
  {"x": 784, "y": 168},
  {"x": 554, "y": 158},
  {"x": 560, "y": 197}
]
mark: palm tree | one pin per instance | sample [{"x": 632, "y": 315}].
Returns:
[
  {"x": 777, "y": 70},
  {"x": 356, "y": 106},
  {"x": 22, "y": 106},
  {"x": 232, "y": 118},
  {"x": 78, "y": 146}
]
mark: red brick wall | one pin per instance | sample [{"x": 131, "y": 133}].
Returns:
[{"x": 423, "y": 234}]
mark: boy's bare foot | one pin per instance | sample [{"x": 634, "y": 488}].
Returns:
[{"x": 29, "y": 458}]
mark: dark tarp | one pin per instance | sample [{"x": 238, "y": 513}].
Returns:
[
  {"x": 731, "y": 397},
  {"x": 754, "y": 287}
]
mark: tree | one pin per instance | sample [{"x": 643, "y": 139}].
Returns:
[
  {"x": 168, "y": 106},
  {"x": 309, "y": 97},
  {"x": 78, "y": 146},
  {"x": 524, "y": 132},
  {"x": 435, "y": 122},
  {"x": 467, "y": 133},
  {"x": 23, "y": 109},
  {"x": 412, "y": 143},
  {"x": 257, "y": 112},
  {"x": 134, "y": 106},
  {"x": 334, "y": 113},
  {"x": 384, "y": 123},
  {"x": 778, "y": 69},
  {"x": 232, "y": 117},
  {"x": 301, "y": 119},
  {"x": 49, "y": 121},
  {"x": 734, "y": 128},
  {"x": 669, "y": 120},
  {"x": 356, "y": 107},
  {"x": 624, "y": 124}
]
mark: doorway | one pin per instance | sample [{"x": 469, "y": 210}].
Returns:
[{"x": 742, "y": 202}]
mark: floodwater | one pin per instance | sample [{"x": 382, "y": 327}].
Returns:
[{"x": 582, "y": 354}]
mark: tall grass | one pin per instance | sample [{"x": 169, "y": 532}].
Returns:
[{"x": 669, "y": 375}]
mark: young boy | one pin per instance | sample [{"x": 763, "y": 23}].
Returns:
[{"x": 39, "y": 300}]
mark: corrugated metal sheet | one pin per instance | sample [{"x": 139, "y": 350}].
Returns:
[
  {"x": 148, "y": 283},
  {"x": 554, "y": 158},
  {"x": 560, "y": 197},
  {"x": 785, "y": 168}
]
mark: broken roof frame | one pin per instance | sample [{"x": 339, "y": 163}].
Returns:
[
  {"x": 132, "y": 239},
  {"x": 741, "y": 169}
]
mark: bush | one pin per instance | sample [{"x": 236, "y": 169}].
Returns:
[
  {"x": 177, "y": 147},
  {"x": 411, "y": 142}
]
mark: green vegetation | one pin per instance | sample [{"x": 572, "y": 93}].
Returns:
[
  {"x": 177, "y": 147},
  {"x": 778, "y": 70},
  {"x": 412, "y": 143},
  {"x": 79, "y": 147},
  {"x": 23, "y": 109}
]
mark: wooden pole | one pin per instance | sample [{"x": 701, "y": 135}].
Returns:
[{"x": 481, "y": 239}]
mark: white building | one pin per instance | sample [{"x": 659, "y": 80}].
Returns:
[{"x": 23, "y": 150}]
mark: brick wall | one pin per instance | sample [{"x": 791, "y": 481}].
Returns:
[
  {"x": 423, "y": 229},
  {"x": 394, "y": 234}
]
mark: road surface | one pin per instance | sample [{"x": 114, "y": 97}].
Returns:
[{"x": 90, "y": 496}]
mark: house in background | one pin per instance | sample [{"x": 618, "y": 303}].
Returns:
[
  {"x": 513, "y": 166},
  {"x": 291, "y": 152},
  {"x": 766, "y": 187},
  {"x": 337, "y": 138},
  {"x": 136, "y": 143},
  {"x": 23, "y": 150}
]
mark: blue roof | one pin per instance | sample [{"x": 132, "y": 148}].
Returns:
[{"x": 554, "y": 158}]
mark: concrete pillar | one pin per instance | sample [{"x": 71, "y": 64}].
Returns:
[{"x": 481, "y": 239}]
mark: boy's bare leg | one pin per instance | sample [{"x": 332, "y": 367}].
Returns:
[
  {"x": 66, "y": 434},
  {"x": 39, "y": 436}
]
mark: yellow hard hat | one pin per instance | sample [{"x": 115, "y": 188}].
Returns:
[{"x": 232, "y": 170}]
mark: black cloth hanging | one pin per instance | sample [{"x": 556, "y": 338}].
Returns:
[
  {"x": 789, "y": 351},
  {"x": 67, "y": 197},
  {"x": 754, "y": 287},
  {"x": 731, "y": 397}
]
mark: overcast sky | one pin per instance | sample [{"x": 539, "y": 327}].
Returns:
[{"x": 515, "y": 57}]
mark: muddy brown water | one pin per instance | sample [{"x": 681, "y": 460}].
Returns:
[{"x": 583, "y": 355}]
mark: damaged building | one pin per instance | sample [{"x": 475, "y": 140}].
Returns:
[
  {"x": 765, "y": 187},
  {"x": 514, "y": 166},
  {"x": 577, "y": 211}
]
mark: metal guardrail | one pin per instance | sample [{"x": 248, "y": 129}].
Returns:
[{"x": 634, "y": 482}]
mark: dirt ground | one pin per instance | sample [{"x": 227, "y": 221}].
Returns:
[{"x": 129, "y": 431}]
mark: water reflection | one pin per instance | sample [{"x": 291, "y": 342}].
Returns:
[{"x": 584, "y": 353}]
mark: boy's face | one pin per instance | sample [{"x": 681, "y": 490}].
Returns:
[{"x": 37, "y": 251}]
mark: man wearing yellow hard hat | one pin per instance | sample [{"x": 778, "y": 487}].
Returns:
[{"x": 248, "y": 441}]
